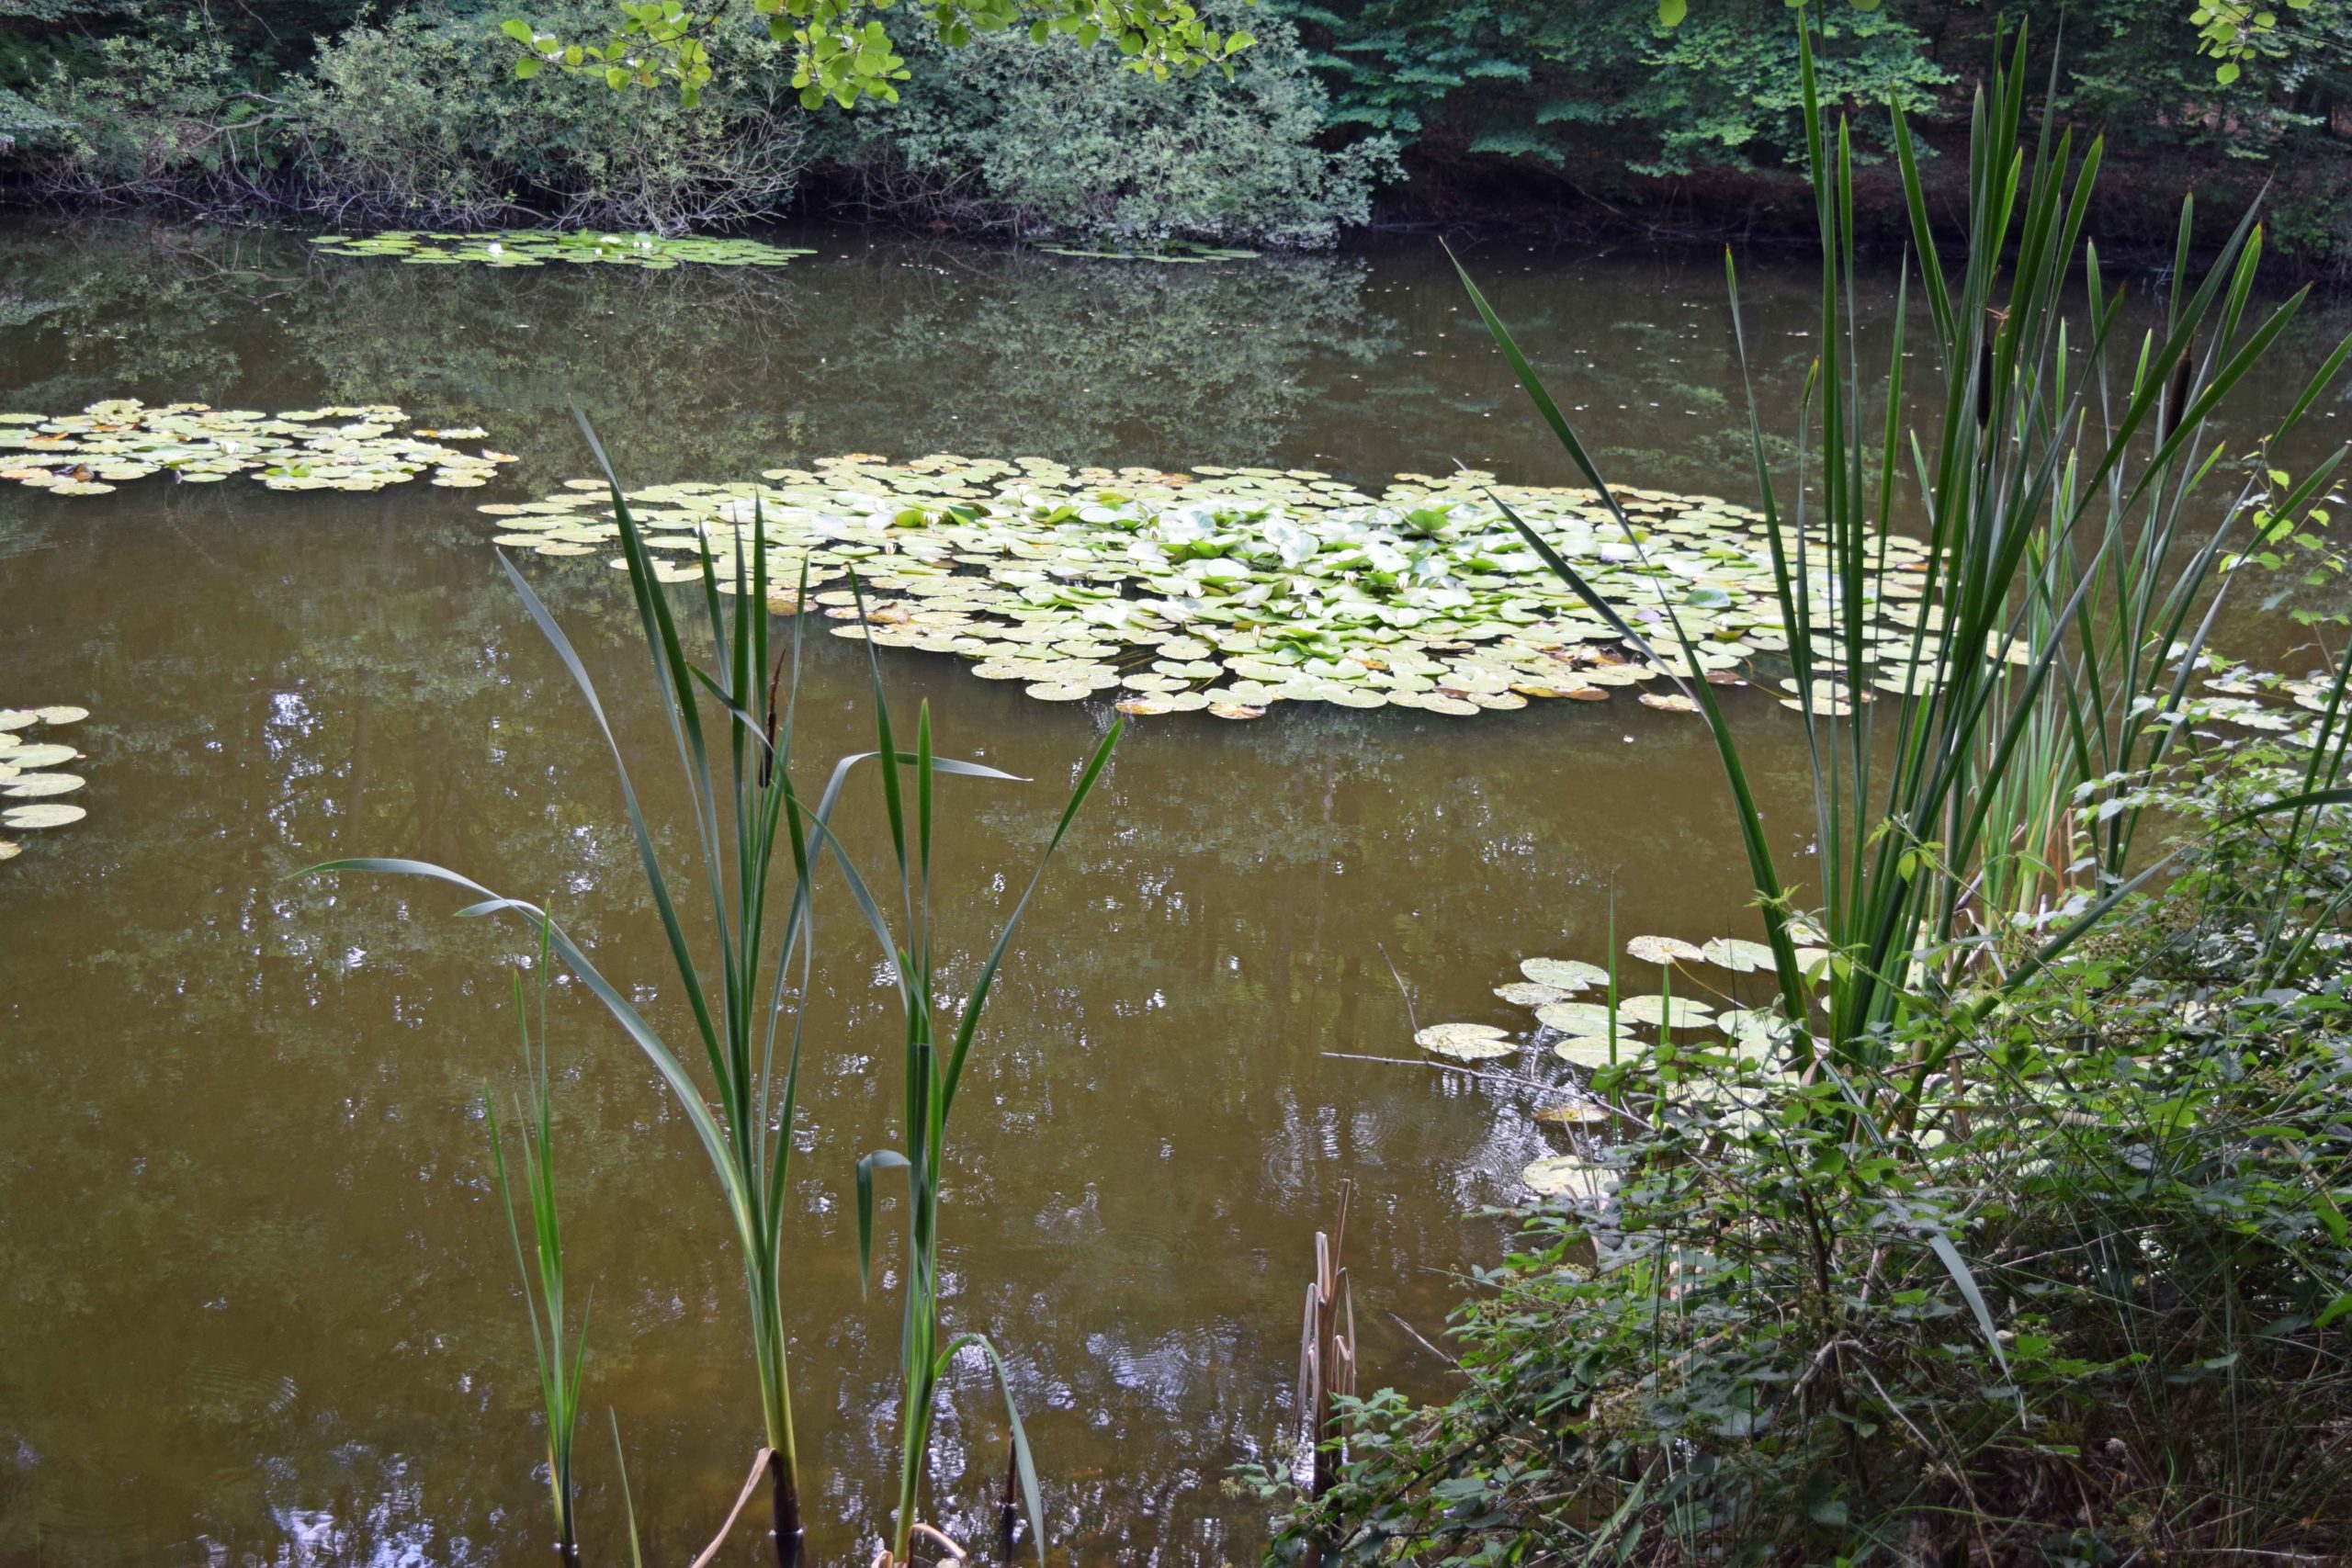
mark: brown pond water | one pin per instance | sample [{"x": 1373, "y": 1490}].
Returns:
[{"x": 256, "y": 1303}]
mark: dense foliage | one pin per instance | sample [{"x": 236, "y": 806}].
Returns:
[
  {"x": 1757, "y": 1346},
  {"x": 419, "y": 116},
  {"x": 1601, "y": 109}
]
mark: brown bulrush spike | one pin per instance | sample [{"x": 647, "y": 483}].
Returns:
[{"x": 1327, "y": 1364}]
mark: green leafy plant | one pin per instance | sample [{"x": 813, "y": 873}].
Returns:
[
  {"x": 938, "y": 1044},
  {"x": 744, "y": 817},
  {"x": 558, "y": 1381}
]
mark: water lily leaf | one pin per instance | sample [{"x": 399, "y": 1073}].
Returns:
[
  {"x": 45, "y": 815},
  {"x": 1663, "y": 949},
  {"x": 38, "y": 756},
  {"x": 1675, "y": 1012},
  {"x": 1465, "y": 1041},
  {"x": 1566, "y": 975},
  {"x": 1575, "y": 1113},
  {"x": 1575, "y": 1017},
  {"x": 1595, "y": 1050},
  {"x": 1740, "y": 957},
  {"x": 28, "y": 786},
  {"x": 1562, "y": 1176},
  {"x": 1528, "y": 994}
]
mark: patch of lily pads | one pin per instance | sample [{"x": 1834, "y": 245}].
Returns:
[
  {"x": 1584, "y": 1019},
  {"x": 33, "y": 785},
  {"x": 1228, "y": 591},
  {"x": 360, "y": 447},
  {"x": 536, "y": 247},
  {"x": 1231, "y": 590}
]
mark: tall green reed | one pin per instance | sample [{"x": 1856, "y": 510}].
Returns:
[
  {"x": 2047, "y": 659},
  {"x": 559, "y": 1380},
  {"x": 745, "y": 815},
  {"x": 938, "y": 1044}
]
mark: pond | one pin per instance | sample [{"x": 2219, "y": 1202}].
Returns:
[{"x": 261, "y": 1306}]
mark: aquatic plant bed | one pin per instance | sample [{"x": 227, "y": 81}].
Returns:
[
  {"x": 536, "y": 247},
  {"x": 326, "y": 448},
  {"x": 1229, "y": 590},
  {"x": 30, "y": 785}
]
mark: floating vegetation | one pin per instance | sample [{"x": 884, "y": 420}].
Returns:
[
  {"x": 536, "y": 247},
  {"x": 1465, "y": 1041},
  {"x": 326, "y": 448},
  {"x": 1226, "y": 590},
  {"x": 1557, "y": 1176},
  {"x": 29, "y": 786},
  {"x": 1168, "y": 251}
]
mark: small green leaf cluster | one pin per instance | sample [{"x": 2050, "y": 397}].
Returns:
[
  {"x": 2234, "y": 31},
  {"x": 844, "y": 53}
]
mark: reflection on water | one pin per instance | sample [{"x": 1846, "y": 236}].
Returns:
[{"x": 261, "y": 1307}]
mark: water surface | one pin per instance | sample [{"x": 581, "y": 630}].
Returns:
[{"x": 259, "y": 1304}]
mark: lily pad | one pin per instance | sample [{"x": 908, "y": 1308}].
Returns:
[
  {"x": 48, "y": 814},
  {"x": 1465, "y": 1041},
  {"x": 1561, "y": 1176},
  {"x": 1245, "y": 586},
  {"x": 1594, "y": 1050},
  {"x": 1663, "y": 949},
  {"x": 1575, "y": 1113},
  {"x": 1674, "y": 1012},
  {"x": 1756, "y": 1029},
  {"x": 1564, "y": 974},
  {"x": 1740, "y": 957},
  {"x": 1575, "y": 1017},
  {"x": 1528, "y": 994},
  {"x": 29, "y": 786}
]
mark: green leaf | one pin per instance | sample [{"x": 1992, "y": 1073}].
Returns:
[
  {"x": 526, "y": 68},
  {"x": 880, "y": 1159},
  {"x": 517, "y": 29},
  {"x": 1671, "y": 12}
]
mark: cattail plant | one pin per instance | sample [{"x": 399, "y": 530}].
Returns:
[
  {"x": 2065, "y": 601},
  {"x": 937, "y": 1049},
  {"x": 1326, "y": 1366},
  {"x": 558, "y": 1379},
  {"x": 754, "y": 835}
]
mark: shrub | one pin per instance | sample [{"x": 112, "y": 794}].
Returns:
[
  {"x": 418, "y": 119},
  {"x": 168, "y": 108},
  {"x": 1055, "y": 138}
]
